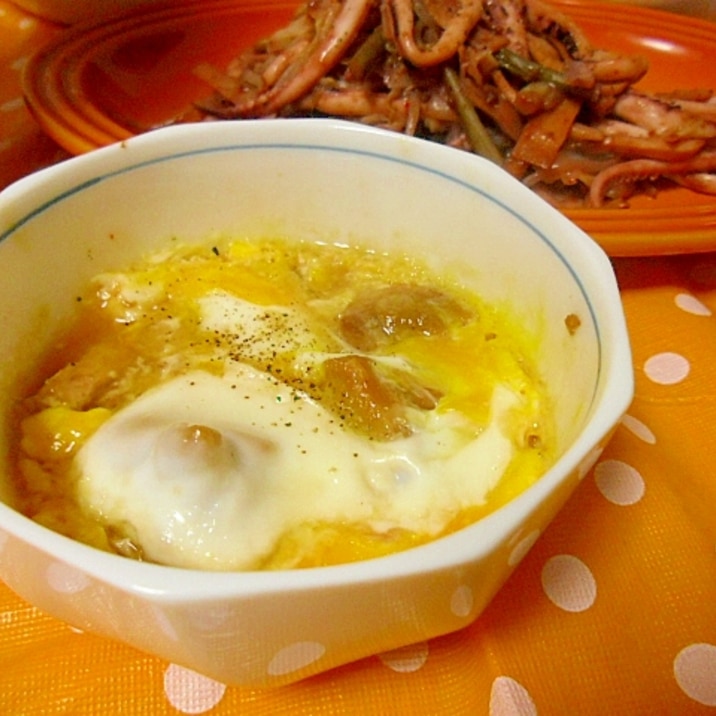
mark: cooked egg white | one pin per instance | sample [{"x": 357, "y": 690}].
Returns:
[
  {"x": 261, "y": 330},
  {"x": 212, "y": 471},
  {"x": 212, "y": 411}
]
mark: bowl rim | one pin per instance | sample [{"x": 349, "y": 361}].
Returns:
[{"x": 173, "y": 584}]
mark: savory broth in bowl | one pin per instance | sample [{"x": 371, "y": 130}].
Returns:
[{"x": 272, "y": 404}]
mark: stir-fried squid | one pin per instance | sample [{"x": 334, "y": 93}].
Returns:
[{"x": 514, "y": 80}]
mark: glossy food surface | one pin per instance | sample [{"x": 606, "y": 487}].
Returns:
[{"x": 106, "y": 82}]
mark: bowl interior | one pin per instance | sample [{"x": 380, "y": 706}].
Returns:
[{"x": 315, "y": 180}]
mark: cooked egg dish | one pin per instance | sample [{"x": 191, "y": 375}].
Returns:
[{"x": 272, "y": 405}]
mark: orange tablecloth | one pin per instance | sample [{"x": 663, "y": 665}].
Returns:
[{"x": 613, "y": 612}]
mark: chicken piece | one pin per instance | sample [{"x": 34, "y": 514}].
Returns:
[
  {"x": 384, "y": 316},
  {"x": 362, "y": 400},
  {"x": 83, "y": 382}
]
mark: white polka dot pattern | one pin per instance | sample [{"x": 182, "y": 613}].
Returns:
[
  {"x": 637, "y": 428},
  {"x": 509, "y": 698},
  {"x": 66, "y": 580},
  {"x": 569, "y": 583},
  {"x": 295, "y": 656},
  {"x": 462, "y": 601},
  {"x": 406, "y": 659},
  {"x": 695, "y": 672},
  {"x": 667, "y": 368},
  {"x": 588, "y": 462},
  {"x": 189, "y": 692},
  {"x": 522, "y": 548},
  {"x": 620, "y": 483},
  {"x": 690, "y": 304},
  {"x": 165, "y": 624}
]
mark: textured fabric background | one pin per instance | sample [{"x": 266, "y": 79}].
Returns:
[{"x": 612, "y": 613}]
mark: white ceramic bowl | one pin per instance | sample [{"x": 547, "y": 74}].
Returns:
[{"x": 304, "y": 179}]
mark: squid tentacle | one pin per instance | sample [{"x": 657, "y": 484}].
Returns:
[
  {"x": 639, "y": 169},
  {"x": 321, "y": 60},
  {"x": 449, "y": 42}
]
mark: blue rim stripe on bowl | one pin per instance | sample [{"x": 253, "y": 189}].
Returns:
[{"x": 256, "y": 146}]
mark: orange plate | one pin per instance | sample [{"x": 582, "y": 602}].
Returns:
[{"x": 105, "y": 82}]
